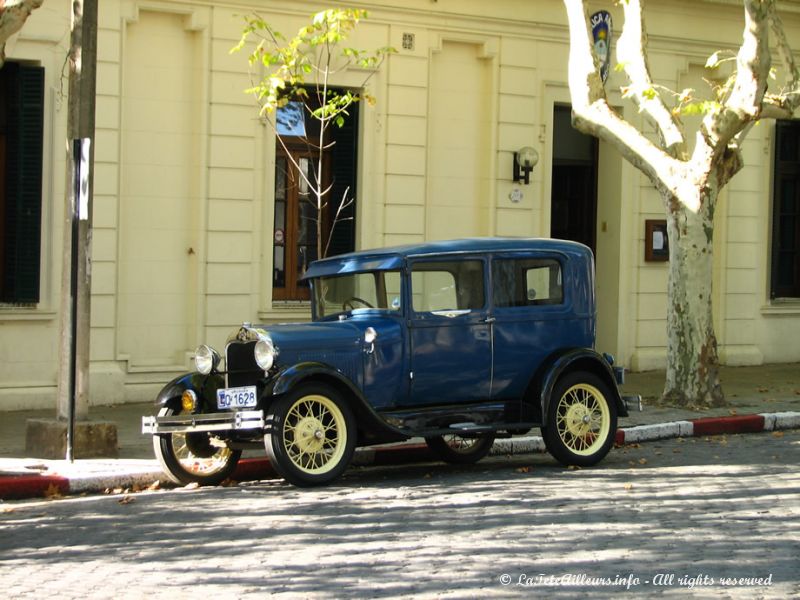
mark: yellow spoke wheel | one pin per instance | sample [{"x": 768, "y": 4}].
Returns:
[
  {"x": 311, "y": 436},
  {"x": 581, "y": 419},
  {"x": 194, "y": 457},
  {"x": 453, "y": 448},
  {"x": 314, "y": 434}
]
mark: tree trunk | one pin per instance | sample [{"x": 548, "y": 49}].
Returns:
[{"x": 692, "y": 361}]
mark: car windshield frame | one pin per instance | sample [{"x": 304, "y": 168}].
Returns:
[{"x": 341, "y": 294}]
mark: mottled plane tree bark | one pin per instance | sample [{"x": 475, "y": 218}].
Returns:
[
  {"x": 13, "y": 14},
  {"x": 689, "y": 181}
]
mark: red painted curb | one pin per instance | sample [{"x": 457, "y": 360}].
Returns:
[
  {"x": 396, "y": 455},
  {"x": 251, "y": 469},
  {"x": 32, "y": 486},
  {"x": 718, "y": 425},
  {"x": 619, "y": 439}
]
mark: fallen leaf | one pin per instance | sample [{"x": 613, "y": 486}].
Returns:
[
  {"x": 676, "y": 450},
  {"x": 733, "y": 412},
  {"x": 136, "y": 488},
  {"x": 763, "y": 390},
  {"x": 642, "y": 461},
  {"x": 777, "y": 434},
  {"x": 524, "y": 469},
  {"x": 126, "y": 500},
  {"x": 52, "y": 492},
  {"x": 573, "y": 468},
  {"x": 156, "y": 485},
  {"x": 629, "y": 486},
  {"x": 191, "y": 486}
]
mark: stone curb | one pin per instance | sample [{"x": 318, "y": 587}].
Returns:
[{"x": 20, "y": 486}]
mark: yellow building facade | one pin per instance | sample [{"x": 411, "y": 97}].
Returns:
[{"x": 185, "y": 231}]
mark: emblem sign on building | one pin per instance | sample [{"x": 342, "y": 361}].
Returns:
[{"x": 601, "y": 34}]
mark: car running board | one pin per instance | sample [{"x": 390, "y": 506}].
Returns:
[{"x": 472, "y": 427}]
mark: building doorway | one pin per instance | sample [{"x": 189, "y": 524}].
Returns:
[{"x": 573, "y": 208}]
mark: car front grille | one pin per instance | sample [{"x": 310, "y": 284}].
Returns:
[{"x": 241, "y": 364}]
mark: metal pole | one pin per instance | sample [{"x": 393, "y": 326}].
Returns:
[
  {"x": 80, "y": 204},
  {"x": 73, "y": 394}
]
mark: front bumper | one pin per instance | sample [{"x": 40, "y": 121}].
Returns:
[{"x": 228, "y": 421}]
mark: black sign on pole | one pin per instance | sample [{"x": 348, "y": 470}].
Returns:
[{"x": 79, "y": 212}]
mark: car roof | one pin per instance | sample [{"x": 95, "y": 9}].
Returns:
[{"x": 393, "y": 257}]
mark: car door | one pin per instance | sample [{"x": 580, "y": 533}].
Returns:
[
  {"x": 449, "y": 331},
  {"x": 533, "y": 318}
]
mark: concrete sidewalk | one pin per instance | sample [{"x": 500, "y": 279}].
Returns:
[{"x": 760, "y": 398}]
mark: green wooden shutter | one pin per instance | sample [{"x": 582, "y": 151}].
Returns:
[
  {"x": 344, "y": 159},
  {"x": 25, "y": 98},
  {"x": 785, "y": 280}
]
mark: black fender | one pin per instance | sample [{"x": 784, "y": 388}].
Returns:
[
  {"x": 576, "y": 359},
  {"x": 372, "y": 427},
  {"x": 205, "y": 386}
]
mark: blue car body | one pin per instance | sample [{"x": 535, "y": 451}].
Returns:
[{"x": 471, "y": 334}]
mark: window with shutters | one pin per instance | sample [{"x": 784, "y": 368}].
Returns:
[
  {"x": 295, "y": 230},
  {"x": 785, "y": 277},
  {"x": 21, "y": 126}
]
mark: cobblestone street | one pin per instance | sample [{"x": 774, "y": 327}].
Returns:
[{"x": 657, "y": 519}]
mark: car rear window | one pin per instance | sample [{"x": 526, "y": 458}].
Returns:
[{"x": 527, "y": 282}]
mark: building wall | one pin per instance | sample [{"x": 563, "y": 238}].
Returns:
[{"x": 184, "y": 175}]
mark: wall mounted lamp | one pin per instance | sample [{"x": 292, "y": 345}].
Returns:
[{"x": 524, "y": 161}]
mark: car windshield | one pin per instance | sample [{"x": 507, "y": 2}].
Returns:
[{"x": 357, "y": 291}]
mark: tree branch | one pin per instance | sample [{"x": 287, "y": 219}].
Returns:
[
  {"x": 592, "y": 114},
  {"x": 789, "y": 99},
  {"x": 744, "y": 103},
  {"x": 13, "y": 14},
  {"x": 630, "y": 53}
]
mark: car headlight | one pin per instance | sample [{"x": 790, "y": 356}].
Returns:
[
  {"x": 265, "y": 354},
  {"x": 206, "y": 359}
]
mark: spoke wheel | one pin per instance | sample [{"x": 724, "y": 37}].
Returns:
[
  {"x": 194, "y": 457},
  {"x": 460, "y": 450},
  {"x": 581, "y": 420},
  {"x": 313, "y": 435}
]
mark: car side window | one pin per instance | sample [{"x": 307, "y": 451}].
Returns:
[
  {"x": 438, "y": 286},
  {"x": 527, "y": 282}
]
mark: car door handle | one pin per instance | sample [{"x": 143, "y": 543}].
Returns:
[{"x": 489, "y": 320}]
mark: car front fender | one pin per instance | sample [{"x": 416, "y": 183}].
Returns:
[
  {"x": 370, "y": 422},
  {"x": 205, "y": 386}
]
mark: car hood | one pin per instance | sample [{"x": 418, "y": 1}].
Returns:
[{"x": 339, "y": 335}]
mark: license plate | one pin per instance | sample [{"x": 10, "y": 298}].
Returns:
[{"x": 238, "y": 397}]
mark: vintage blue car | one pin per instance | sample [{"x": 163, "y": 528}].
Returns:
[{"x": 458, "y": 342}]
